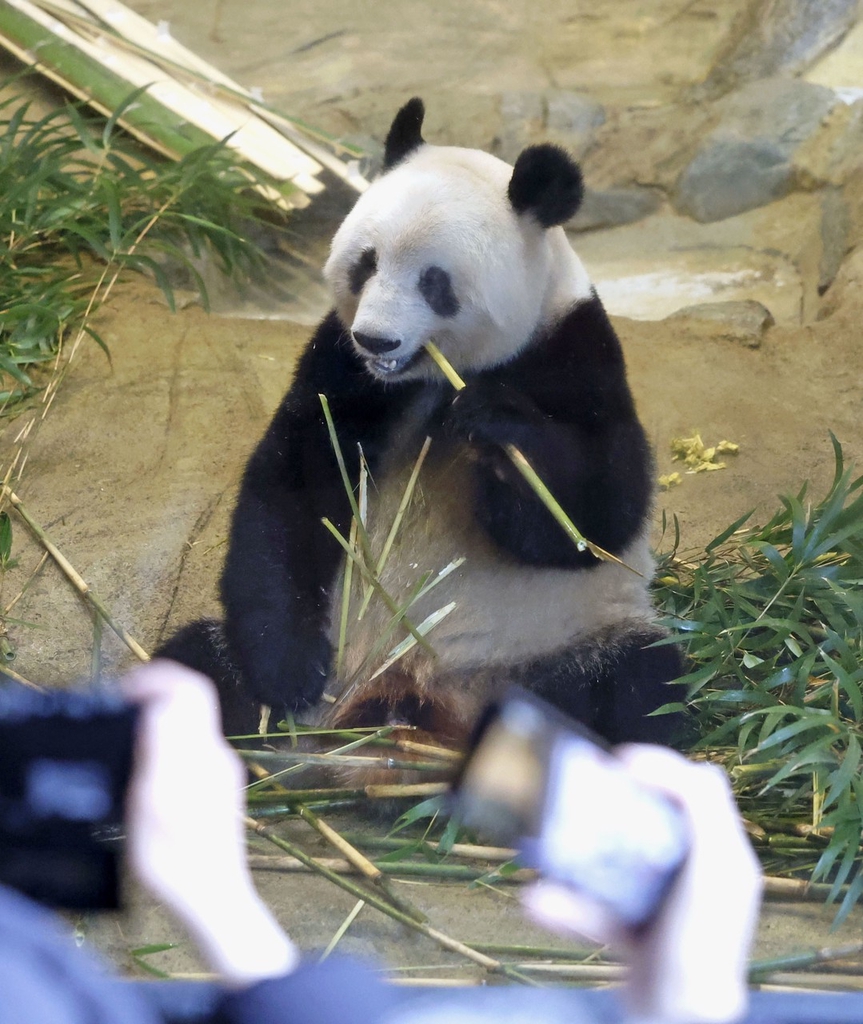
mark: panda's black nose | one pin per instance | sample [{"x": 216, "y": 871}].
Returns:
[{"x": 372, "y": 343}]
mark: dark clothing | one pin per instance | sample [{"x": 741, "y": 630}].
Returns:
[{"x": 45, "y": 979}]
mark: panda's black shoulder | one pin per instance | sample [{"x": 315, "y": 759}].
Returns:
[{"x": 576, "y": 361}]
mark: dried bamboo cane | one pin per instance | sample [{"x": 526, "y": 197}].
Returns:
[
  {"x": 796, "y": 961},
  {"x": 360, "y": 862},
  {"x": 73, "y": 576},
  {"x": 406, "y": 868},
  {"x": 441, "y": 938}
]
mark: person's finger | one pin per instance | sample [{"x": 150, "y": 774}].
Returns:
[
  {"x": 561, "y": 909},
  {"x": 190, "y": 693},
  {"x": 705, "y": 794}
]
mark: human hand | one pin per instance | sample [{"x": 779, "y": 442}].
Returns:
[
  {"x": 690, "y": 964},
  {"x": 186, "y": 840}
]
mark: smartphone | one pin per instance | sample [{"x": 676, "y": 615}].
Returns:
[
  {"x": 536, "y": 780},
  {"x": 65, "y": 763}
]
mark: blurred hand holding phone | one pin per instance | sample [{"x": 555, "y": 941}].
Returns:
[{"x": 640, "y": 849}]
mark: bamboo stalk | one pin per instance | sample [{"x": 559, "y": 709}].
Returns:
[
  {"x": 540, "y": 952},
  {"x": 796, "y": 961},
  {"x": 436, "y": 982},
  {"x": 813, "y": 982},
  {"x": 405, "y": 868},
  {"x": 178, "y": 119},
  {"x": 292, "y": 797},
  {"x": 271, "y": 777},
  {"x": 441, "y": 938},
  {"x": 340, "y": 931},
  {"x": 397, "y": 520},
  {"x": 580, "y": 972},
  {"x": 73, "y": 576},
  {"x": 369, "y": 870},
  {"x": 531, "y": 476},
  {"x": 282, "y": 812},
  {"x": 385, "y": 792},
  {"x": 167, "y": 53},
  {"x": 375, "y": 583},
  {"x": 428, "y": 750},
  {"x": 67, "y": 65},
  {"x": 496, "y": 854},
  {"x": 340, "y": 760},
  {"x": 795, "y": 889},
  {"x": 12, "y": 674}
]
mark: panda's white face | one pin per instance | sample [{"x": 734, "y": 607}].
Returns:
[{"x": 433, "y": 250}]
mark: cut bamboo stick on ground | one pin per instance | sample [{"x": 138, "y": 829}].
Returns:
[
  {"x": 101, "y": 52},
  {"x": 73, "y": 575},
  {"x": 442, "y": 939},
  {"x": 359, "y": 861},
  {"x": 155, "y": 43},
  {"x": 394, "y": 869}
]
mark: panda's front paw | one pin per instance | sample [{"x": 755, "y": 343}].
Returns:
[
  {"x": 294, "y": 676},
  {"x": 491, "y": 413}
]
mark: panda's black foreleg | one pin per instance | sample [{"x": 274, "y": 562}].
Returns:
[
  {"x": 601, "y": 477},
  {"x": 614, "y": 686},
  {"x": 201, "y": 646},
  {"x": 281, "y": 561}
]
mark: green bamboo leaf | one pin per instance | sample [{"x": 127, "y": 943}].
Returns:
[
  {"x": 156, "y": 947},
  {"x": 808, "y": 720},
  {"x": 840, "y": 780},
  {"x": 430, "y": 808},
  {"x": 852, "y": 896},
  {"x": 124, "y": 106},
  {"x": 5, "y": 538},
  {"x": 819, "y": 752},
  {"x": 722, "y": 537},
  {"x": 849, "y": 682},
  {"x": 449, "y": 837}
]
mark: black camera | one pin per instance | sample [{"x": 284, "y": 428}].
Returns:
[
  {"x": 536, "y": 780},
  {"x": 65, "y": 763}
]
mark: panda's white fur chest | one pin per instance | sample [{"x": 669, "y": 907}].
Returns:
[{"x": 501, "y": 611}]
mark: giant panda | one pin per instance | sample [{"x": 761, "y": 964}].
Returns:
[{"x": 451, "y": 245}]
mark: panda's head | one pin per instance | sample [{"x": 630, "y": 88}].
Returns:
[{"x": 455, "y": 246}]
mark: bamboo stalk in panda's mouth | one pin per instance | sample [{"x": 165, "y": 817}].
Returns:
[{"x": 531, "y": 476}]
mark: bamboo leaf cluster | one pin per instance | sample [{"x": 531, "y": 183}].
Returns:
[
  {"x": 77, "y": 196},
  {"x": 771, "y": 619}
]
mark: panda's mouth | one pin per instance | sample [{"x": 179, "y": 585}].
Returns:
[{"x": 389, "y": 366}]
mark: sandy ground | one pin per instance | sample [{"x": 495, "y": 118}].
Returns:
[{"x": 134, "y": 470}]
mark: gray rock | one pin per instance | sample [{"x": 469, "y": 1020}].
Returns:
[
  {"x": 785, "y": 110},
  {"x": 730, "y": 175},
  {"x": 568, "y": 118},
  {"x": 834, "y": 236},
  {"x": 614, "y": 206},
  {"x": 741, "y": 322},
  {"x": 522, "y": 117},
  {"x": 775, "y": 36},
  {"x": 573, "y": 114},
  {"x": 748, "y": 160}
]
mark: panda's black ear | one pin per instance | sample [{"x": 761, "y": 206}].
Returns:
[
  {"x": 547, "y": 183},
  {"x": 405, "y": 134}
]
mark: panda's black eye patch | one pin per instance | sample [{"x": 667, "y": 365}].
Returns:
[
  {"x": 362, "y": 270},
  {"x": 436, "y": 288}
]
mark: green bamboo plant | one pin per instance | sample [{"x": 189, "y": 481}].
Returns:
[
  {"x": 80, "y": 202},
  {"x": 771, "y": 619}
]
